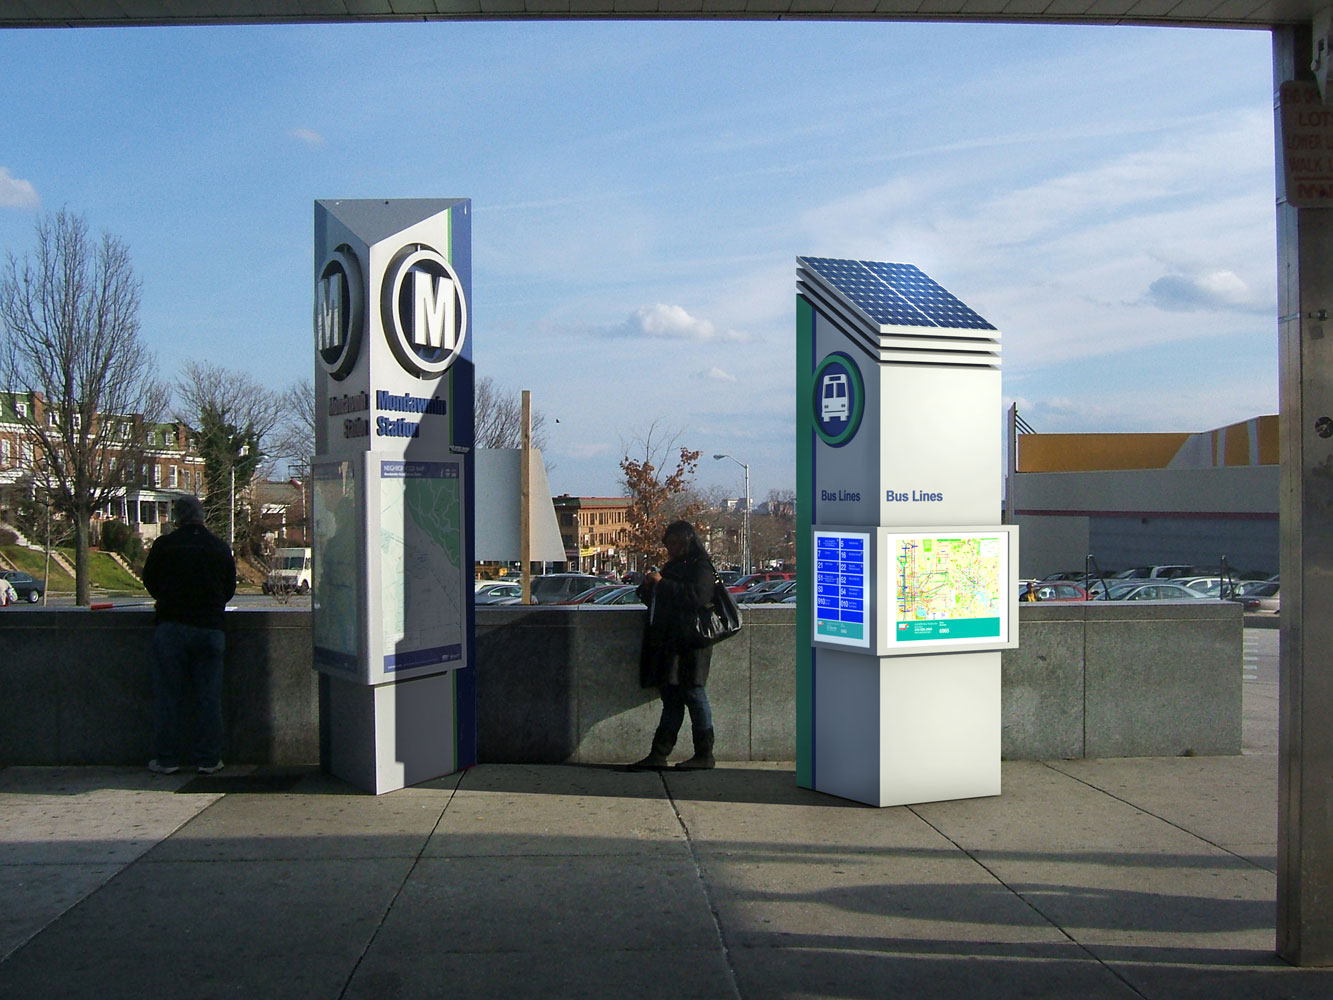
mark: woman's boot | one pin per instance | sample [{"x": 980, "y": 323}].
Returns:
[
  {"x": 656, "y": 760},
  {"x": 703, "y": 752}
]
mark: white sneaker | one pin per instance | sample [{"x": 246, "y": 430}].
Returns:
[
  {"x": 157, "y": 767},
  {"x": 209, "y": 768}
]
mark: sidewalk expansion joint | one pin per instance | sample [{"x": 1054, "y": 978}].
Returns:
[
  {"x": 393, "y": 900},
  {"x": 703, "y": 884},
  {"x": 1092, "y": 956},
  {"x": 1161, "y": 819},
  {"x": 121, "y": 869}
]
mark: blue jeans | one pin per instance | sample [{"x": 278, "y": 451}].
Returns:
[
  {"x": 184, "y": 653},
  {"x": 675, "y": 699}
]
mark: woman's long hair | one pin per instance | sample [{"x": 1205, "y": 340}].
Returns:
[{"x": 684, "y": 531}]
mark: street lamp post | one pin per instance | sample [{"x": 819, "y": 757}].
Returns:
[
  {"x": 745, "y": 514},
  {"x": 231, "y": 530},
  {"x": 46, "y": 573}
]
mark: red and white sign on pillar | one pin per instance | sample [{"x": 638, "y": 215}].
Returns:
[{"x": 1305, "y": 144}]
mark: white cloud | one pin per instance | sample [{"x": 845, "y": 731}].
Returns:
[
  {"x": 1218, "y": 290},
  {"x": 668, "y": 322},
  {"x": 1120, "y": 408},
  {"x": 590, "y": 449},
  {"x": 308, "y": 136},
  {"x": 1168, "y": 240},
  {"x": 718, "y": 375},
  {"x": 16, "y": 192}
]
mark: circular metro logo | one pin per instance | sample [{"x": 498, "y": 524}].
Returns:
[
  {"x": 339, "y": 316},
  {"x": 424, "y": 310}
]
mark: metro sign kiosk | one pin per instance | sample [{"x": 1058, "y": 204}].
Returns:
[
  {"x": 909, "y": 582},
  {"x": 393, "y": 486}
]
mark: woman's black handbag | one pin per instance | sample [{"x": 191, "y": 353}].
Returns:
[{"x": 719, "y": 619}]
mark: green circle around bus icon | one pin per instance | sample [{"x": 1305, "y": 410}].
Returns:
[{"x": 839, "y": 399}]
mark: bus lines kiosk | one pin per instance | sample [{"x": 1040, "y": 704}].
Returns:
[
  {"x": 392, "y": 490},
  {"x": 909, "y": 585}
]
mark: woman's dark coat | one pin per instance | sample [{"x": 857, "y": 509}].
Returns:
[{"x": 686, "y": 586}]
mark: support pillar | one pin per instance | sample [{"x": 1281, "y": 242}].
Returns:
[{"x": 1305, "y": 310}]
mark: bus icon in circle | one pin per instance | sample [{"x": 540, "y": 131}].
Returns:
[
  {"x": 837, "y": 394},
  {"x": 833, "y": 393}
]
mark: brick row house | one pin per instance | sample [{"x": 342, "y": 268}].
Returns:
[
  {"x": 594, "y": 531},
  {"x": 169, "y": 466},
  {"x": 282, "y": 508}
]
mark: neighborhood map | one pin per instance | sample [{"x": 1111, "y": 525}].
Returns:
[
  {"x": 421, "y": 527},
  {"x": 336, "y": 499}
]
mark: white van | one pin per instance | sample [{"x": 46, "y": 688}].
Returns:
[{"x": 289, "y": 570}]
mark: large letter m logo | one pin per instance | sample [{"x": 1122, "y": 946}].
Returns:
[
  {"x": 434, "y": 312},
  {"x": 329, "y": 311}
]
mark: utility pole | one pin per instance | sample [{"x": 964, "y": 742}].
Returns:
[
  {"x": 745, "y": 513},
  {"x": 525, "y": 500}
]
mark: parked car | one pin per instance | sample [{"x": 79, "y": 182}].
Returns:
[
  {"x": 1066, "y": 575},
  {"x": 746, "y": 582},
  {"x": 760, "y": 591},
  {"x": 28, "y": 588},
  {"x": 1259, "y": 595},
  {"x": 1179, "y": 572},
  {"x": 498, "y": 593},
  {"x": 1211, "y": 586},
  {"x": 617, "y": 596},
  {"x": 727, "y": 576},
  {"x": 552, "y": 588},
  {"x": 1152, "y": 590},
  {"x": 768, "y": 592},
  {"x": 588, "y": 596},
  {"x": 1161, "y": 571},
  {"x": 1057, "y": 592}
]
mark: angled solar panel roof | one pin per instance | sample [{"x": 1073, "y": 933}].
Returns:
[{"x": 895, "y": 294}]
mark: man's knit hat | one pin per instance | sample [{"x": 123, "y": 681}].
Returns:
[{"x": 187, "y": 510}]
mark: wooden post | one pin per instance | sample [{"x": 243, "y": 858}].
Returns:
[{"x": 525, "y": 500}]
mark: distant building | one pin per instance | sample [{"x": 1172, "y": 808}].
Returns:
[
  {"x": 594, "y": 531},
  {"x": 169, "y": 466},
  {"x": 283, "y": 511},
  {"x": 1146, "y": 499}
]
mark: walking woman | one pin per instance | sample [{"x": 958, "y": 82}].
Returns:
[{"x": 684, "y": 585}]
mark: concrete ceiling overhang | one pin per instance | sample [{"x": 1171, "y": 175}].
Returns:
[{"x": 1205, "y": 13}]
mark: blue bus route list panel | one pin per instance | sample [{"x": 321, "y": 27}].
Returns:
[{"x": 842, "y": 588}]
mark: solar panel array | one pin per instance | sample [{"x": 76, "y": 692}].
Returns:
[{"x": 896, "y": 294}]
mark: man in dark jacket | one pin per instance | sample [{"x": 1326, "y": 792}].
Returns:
[{"x": 192, "y": 575}]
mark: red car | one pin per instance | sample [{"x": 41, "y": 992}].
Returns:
[
  {"x": 746, "y": 582},
  {"x": 1054, "y": 593}
]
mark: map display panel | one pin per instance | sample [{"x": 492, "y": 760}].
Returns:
[
  {"x": 949, "y": 589},
  {"x": 336, "y": 504},
  {"x": 421, "y": 548},
  {"x": 842, "y": 588}
]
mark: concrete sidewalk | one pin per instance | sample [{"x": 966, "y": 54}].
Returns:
[{"x": 1091, "y": 879}]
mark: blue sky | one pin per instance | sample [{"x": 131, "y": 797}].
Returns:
[{"x": 641, "y": 191}]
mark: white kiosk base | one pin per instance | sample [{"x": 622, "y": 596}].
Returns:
[
  {"x": 893, "y": 731},
  {"x": 389, "y": 736}
]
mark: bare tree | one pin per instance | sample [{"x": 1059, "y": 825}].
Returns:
[
  {"x": 773, "y": 533},
  {"x": 70, "y": 314},
  {"x": 232, "y": 415},
  {"x": 294, "y": 435},
  {"x": 720, "y": 526},
  {"x": 657, "y": 497},
  {"x": 498, "y": 416}
]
